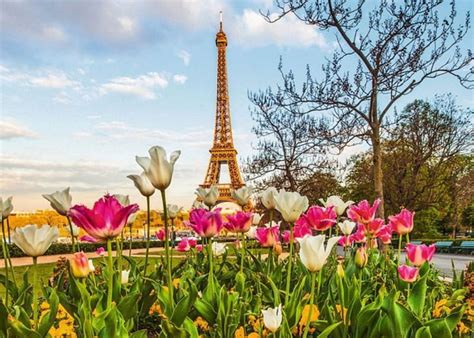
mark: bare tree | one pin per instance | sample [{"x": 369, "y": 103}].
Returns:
[{"x": 383, "y": 53}]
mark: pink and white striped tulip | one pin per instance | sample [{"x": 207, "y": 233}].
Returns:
[
  {"x": 183, "y": 245},
  {"x": 403, "y": 222},
  {"x": 418, "y": 254},
  {"x": 299, "y": 231},
  {"x": 205, "y": 223},
  {"x": 240, "y": 222},
  {"x": 267, "y": 236},
  {"x": 363, "y": 212},
  {"x": 385, "y": 234},
  {"x": 408, "y": 273},
  {"x": 320, "y": 218}
]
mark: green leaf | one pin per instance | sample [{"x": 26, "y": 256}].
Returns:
[
  {"x": 184, "y": 306},
  {"x": 417, "y": 297},
  {"x": 139, "y": 334},
  {"x": 128, "y": 306},
  {"x": 21, "y": 330},
  {"x": 172, "y": 331},
  {"x": 49, "y": 318},
  {"x": 190, "y": 328},
  {"x": 327, "y": 331},
  {"x": 423, "y": 332},
  {"x": 206, "y": 310}
]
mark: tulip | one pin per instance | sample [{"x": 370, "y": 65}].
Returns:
[
  {"x": 299, "y": 231},
  {"x": 79, "y": 265},
  {"x": 87, "y": 238},
  {"x": 143, "y": 184},
  {"x": 241, "y": 195},
  {"x": 124, "y": 276},
  {"x": 418, "y": 254},
  {"x": 374, "y": 226},
  {"x": 6, "y": 207},
  {"x": 291, "y": 205},
  {"x": 60, "y": 201},
  {"x": 157, "y": 168},
  {"x": 34, "y": 240},
  {"x": 183, "y": 245},
  {"x": 205, "y": 223},
  {"x": 345, "y": 241},
  {"x": 91, "y": 265},
  {"x": 239, "y": 222},
  {"x": 313, "y": 254},
  {"x": 347, "y": 227},
  {"x": 361, "y": 257},
  {"x": 192, "y": 242},
  {"x": 320, "y": 218},
  {"x": 267, "y": 236},
  {"x": 252, "y": 232},
  {"x": 272, "y": 318},
  {"x": 208, "y": 196},
  {"x": 218, "y": 249},
  {"x": 340, "y": 271},
  {"x": 336, "y": 202},
  {"x": 256, "y": 218},
  {"x": 173, "y": 210},
  {"x": 160, "y": 234},
  {"x": 268, "y": 198},
  {"x": 277, "y": 249},
  {"x": 105, "y": 220},
  {"x": 407, "y": 273},
  {"x": 359, "y": 235},
  {"x": 363, "y": 212},
  {"x": 124, "y": 200},
  {"x": 385, "y": 234},
  {"x": 403, "y": 222},
  {"x": 199, "y": 247},
  {"x": 100, "y": 251}
]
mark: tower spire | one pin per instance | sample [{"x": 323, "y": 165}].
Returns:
[
  {"x": 223, "y": 152},
  {"x": 220, "y": 21}
]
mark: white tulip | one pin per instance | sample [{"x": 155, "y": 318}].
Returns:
[
  {"x": 124, "y": 200},
  {"x": 313, "y": 254},
  {"x": 268, "y": 198},
  {"x": 60, "y": 201},
  {"x": 34, "y": 241},
  {"x": 347, "y": 227},
  {"x": 272, "y": 318},
  {"x": 75, "y": 230},
  {"x": 198, "y": 204},
  {"x": 6, "y": 207},
  {"x": 173, "y": 210},
  {"x": 251, "y": 233},
  {"x": 131, "y": 219},
  {"x": 218, "y": 249},
  {"x": 91, "y": 266},
  {"x": 143, "y": 184},
  {"x": 158, "y": 168},
  {"x": 335, "y": 201},
  {"x": 291, "y": 205},
  {"x": 124, "y": 276},
  {"x": 208, "y": 196},
  {"x": 256, "y": 218},
  {"x": 241, "y": 195}
]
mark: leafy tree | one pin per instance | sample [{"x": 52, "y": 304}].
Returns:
[{"x": 383, "y": 53}]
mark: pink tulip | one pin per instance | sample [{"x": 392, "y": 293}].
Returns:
[
  {"x": 160, "y": 234},
  {"x": 183, "y": 245},
  {"x": 106, "y": 219},
  {"x": 385, "y": 234},
  {"x": 403, "y": 222},
  {"x": 192, "y": 242},
  {"x": 87, "y": 238},
  {"x": 418, "y": 254},
  {"x": 299, "y": 231},
  {"x": 79, "y": 265},
  {"x": 359, "y": 235},
  {"x": 100, "y": 251},
  {"x": 267, "y": 236},
  {"x": 199, "y": 247},
  {"x": 205, "y": 223},
  {"x": 239, "y": 222},
  {"x": 407, "y": 273},
  {"x": 363, "y": 212},
  {"x": 345, "y": 241},
  {"x": 320, "y": 218},
  {"x": 374, "y": 226}
]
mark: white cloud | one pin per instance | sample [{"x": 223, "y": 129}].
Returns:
[
  {"x": 52, "y": 80},
  {"x": 142, "y": 86},
  {"x": 12, "y": 129},
  {"x": 185, "y": 56},
  {"x": 180, "y": 78},
  {"x": 53, "y": 33},
  {"x": 42, "y": 78},
  {"x": 251, "y": 30}
]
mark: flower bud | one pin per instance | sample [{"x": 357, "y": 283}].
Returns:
[
  {"x": 79, "y": 265},
  {"x": 340, "y": 271},
  {"x": 277, "y": 249},
  {"x": 361, "y": 257}
]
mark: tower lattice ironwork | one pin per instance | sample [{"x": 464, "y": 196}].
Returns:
[{"x": 223, "y": 151}]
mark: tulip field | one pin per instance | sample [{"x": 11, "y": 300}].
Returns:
[{"x": 283, "y": 277}]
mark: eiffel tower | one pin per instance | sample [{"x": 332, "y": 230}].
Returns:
[{"x": 223, "y": 152}]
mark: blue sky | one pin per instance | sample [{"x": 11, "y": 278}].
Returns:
[{"x": 87, "y": 85}]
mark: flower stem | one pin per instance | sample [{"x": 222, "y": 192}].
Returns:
[
  {"x": 8, "y": 253},
  {"x": 289, "y": 271},
  {"x": 242, "y": 248},
  {"x": 399, "y": 247},
  {"x": 35, "y": 292},
  {"x": 311, "y": 302},
  {"x": 72, "y": 234},
  {"x": 5, "y": 255},
  {"x": 408, "y": 237},
  {"x": 209, "y": 253},
  {"x": 147, "y": 233},
  {"x": 130, "y": 240},
  {"x": 111, "y": 273},
  {"x": 167, "y": 249}
]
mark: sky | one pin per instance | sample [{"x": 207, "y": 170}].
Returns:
[{"x": 88, "y": 85}]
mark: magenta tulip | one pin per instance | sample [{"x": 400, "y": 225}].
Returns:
[
  {"x": 239, "y": 222},
  {"x": 192, "y": 242},
  {"x": 100, "y": 251},
  {"x": 407, "y": 273},
  {"x": 320, "y": 218},
  {"x": 299, "y": 231},
  {"x": 345, "y": 241},
  {"x": 403, "y": 222},
  {"x": 105, "y": 220},
  {"x": 359, "y": 235},
  {"x": 205, "y": 223},
  {"x": 363, "y": 212},
  {"x": 160, "y": 234},
  {"x": 267, "y": 236},
  {"x": 385, "y": 234},
  {"x": 374, "y": 226},
  {"x": 183, "y": 245},
  {"x": 199, "y": 247},
  {"x": 418, "y": 254}
]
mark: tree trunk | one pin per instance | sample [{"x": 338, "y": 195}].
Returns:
[{"x": 377, "y": 168}]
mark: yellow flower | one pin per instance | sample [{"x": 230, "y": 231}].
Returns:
[
  {"x": 201, "y": 324},
  {"x": 44, "y": 306},
  {"x": 155, "y": 308},
  {"x": 440, "y": 307},
  {"x": 176, "y": 282},
  {"x": 240, "y": 332},
  {"x": 305, "y": 317},
  {"x": 338, "y": 310},
  {"x": 462, "y": 328},
  {"x": 253, "y": 335}
]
